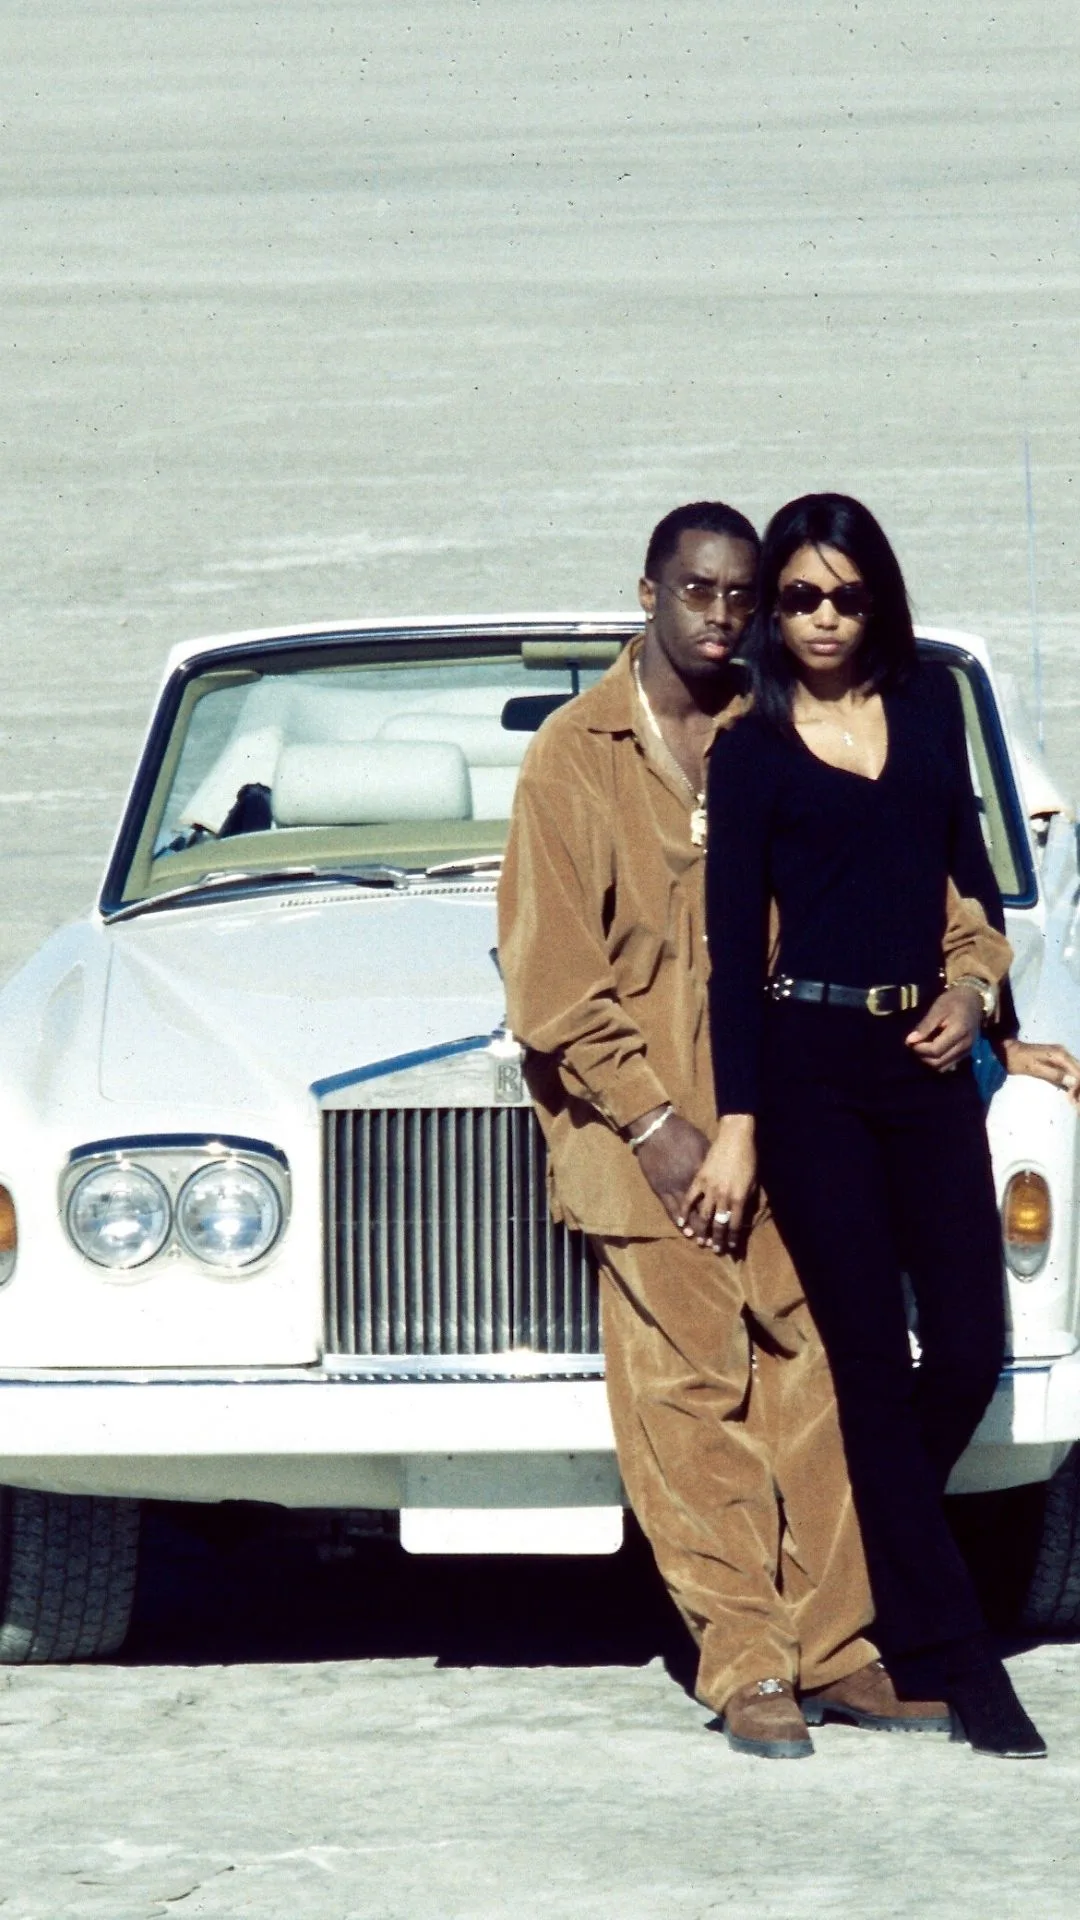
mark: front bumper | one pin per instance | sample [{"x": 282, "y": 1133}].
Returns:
[
  {"x": 1028, "y": 1428},
  {"x": 309, "y": 1438}
]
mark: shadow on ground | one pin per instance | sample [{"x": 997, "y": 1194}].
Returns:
[{"x": 241, "y": 1583}]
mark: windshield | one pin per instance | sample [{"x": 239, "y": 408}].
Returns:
[
  {"x": 1000, "y": 812},
  {"x": 332, "y": 757},
  {"x": 402, "y": 752}
]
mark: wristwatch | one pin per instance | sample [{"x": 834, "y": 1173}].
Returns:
[{"x": 988, "y": 995}]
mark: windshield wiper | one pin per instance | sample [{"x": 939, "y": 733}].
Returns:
[
  {"x": 484, "y": 863},
  {"x": 214, "y": 884}
]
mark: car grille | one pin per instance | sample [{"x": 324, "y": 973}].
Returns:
[{"x": 439, "y": 1241}]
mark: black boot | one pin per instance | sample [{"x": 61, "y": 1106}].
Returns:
[{"x": 987, "y": 1714}]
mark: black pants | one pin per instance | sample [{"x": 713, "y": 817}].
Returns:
[{"x": 875, "y": 1166}]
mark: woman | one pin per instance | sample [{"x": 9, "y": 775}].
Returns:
[{"x": 845, "y": 795}]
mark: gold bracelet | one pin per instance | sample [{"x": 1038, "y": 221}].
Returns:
[{"x": 988, "y": 995}]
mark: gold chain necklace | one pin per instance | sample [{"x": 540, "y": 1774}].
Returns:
[{"x": 698, "y": 815}]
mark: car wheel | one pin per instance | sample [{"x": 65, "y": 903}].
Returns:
[
  {"x": 67, "y": 1575},
  {"x": 1053, "y": 1599}
]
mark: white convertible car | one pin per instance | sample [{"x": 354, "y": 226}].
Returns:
[{"x": 272, "y": 1212}]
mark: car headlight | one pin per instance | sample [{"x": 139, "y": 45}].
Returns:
[
  {"x": 228, "y": 1214},
  {"x": 119, "y": 1215},
  {"x": 1026, "y": 1222},
  {"x": 9, "y": 1236}
]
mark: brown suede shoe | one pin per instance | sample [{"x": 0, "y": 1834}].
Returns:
[
  {"x": 869, "y": 1699},
  {"x": 763, "y": 1718}
]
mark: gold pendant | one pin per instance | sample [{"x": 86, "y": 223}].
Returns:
[{"x": 698, "y": 827}]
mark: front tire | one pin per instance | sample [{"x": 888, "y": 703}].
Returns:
[
  {"x": 67, "y": 1575},
  {"x": 1053, "y": 1599}
]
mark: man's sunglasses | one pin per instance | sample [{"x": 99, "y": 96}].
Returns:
[
  {"x": 852, "y": 601},
  {"x": 703, "y": 594}
]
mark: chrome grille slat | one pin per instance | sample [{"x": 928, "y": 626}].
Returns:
[
  {"x": 533, "y": 1232},
  {"x": 498, "y": 1161},
  {"x": 468, "y": 1238},
  {"x": 396, "y": 1173},
  {"x": 439, "y": 1242},
  {"x": 487, "y": 1236},
  {"x": 373, "y": 1188},
  {"x": 335, "y": 1328}
]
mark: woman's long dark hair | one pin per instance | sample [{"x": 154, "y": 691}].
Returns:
[{"x": 887, "y": 652}]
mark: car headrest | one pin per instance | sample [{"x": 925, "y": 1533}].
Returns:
[
  {"x": 371, "y": 783},
  {"x": 481, "y": 736}
]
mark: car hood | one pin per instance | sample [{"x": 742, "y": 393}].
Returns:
[
  {"x": 251, "y": 1002},
  {"x": 256, "y": 1000}
]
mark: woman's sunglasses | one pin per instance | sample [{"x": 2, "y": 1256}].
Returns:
[{"x": 852, "y": 601}]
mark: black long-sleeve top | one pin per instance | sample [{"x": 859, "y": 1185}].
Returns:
[{"x": 858, "y": 868}]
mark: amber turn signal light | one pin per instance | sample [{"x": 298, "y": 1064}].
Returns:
[
  {"x": 1027, "y": 1217},
  {"x": 9, "y": 1235}
]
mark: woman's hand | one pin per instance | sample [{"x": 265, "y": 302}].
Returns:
[
  {"x": 1044, "y": 1062},
  {"x": 714, "y": 1207},
  {"x": 948, "y": 1030}
]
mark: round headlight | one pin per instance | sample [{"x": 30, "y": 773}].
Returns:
[
  {"x": 119, "y": 1216},
  {"x": 228, "y": 1214}
]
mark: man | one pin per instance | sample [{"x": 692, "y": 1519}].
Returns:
[{"x": 720, "y": 1396}]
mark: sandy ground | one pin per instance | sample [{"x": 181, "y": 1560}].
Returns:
[
  {"x": 389, "y": 1739},
  {"x": 374, "y": 1790},
  {"x": 344, "y": 309}
]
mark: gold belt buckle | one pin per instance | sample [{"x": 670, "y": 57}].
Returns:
[{"x": 909, "y": 998}]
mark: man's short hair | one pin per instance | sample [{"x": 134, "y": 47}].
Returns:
[{"x": 700, "y": 516}]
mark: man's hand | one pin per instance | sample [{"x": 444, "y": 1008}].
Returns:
[
  {"x": 718, "y": 1195},
  {"x": 1044, "y": 1062},
  {"x": 670, "y": 1159},
  {"x": 948, "y": 1030}
]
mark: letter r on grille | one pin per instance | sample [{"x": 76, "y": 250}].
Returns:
[{"x": 509, "y": 1083}]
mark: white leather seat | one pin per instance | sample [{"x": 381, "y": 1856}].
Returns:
[
  {"x": 493, "y": 753},
  {"x": 369, "y": 783}
]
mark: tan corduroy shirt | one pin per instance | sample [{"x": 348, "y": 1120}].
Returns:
[{"x": 602, "y": 947}]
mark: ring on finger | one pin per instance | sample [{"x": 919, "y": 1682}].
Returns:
[{"x": 721, "y": 1219}]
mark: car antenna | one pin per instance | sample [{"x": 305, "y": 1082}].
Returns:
[{"x": 1033, "y": 596}]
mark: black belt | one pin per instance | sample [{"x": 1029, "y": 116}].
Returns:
[{"x": 825, "y": 993}]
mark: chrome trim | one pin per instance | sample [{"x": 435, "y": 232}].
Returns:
[
  {"x": 214, "y": 1144},
  {"x": 88, "y": 1377},
  {"x": 517, "y": 1365},
  {"x": 484, "y": 1070},
  {"x": 340, "y": 1370},
  {"x": 353, "y": 1370},
  {"x": 324, "y": 1090}
]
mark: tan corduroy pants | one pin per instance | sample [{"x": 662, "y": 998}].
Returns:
[{"x": 730, "y": 1452}]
